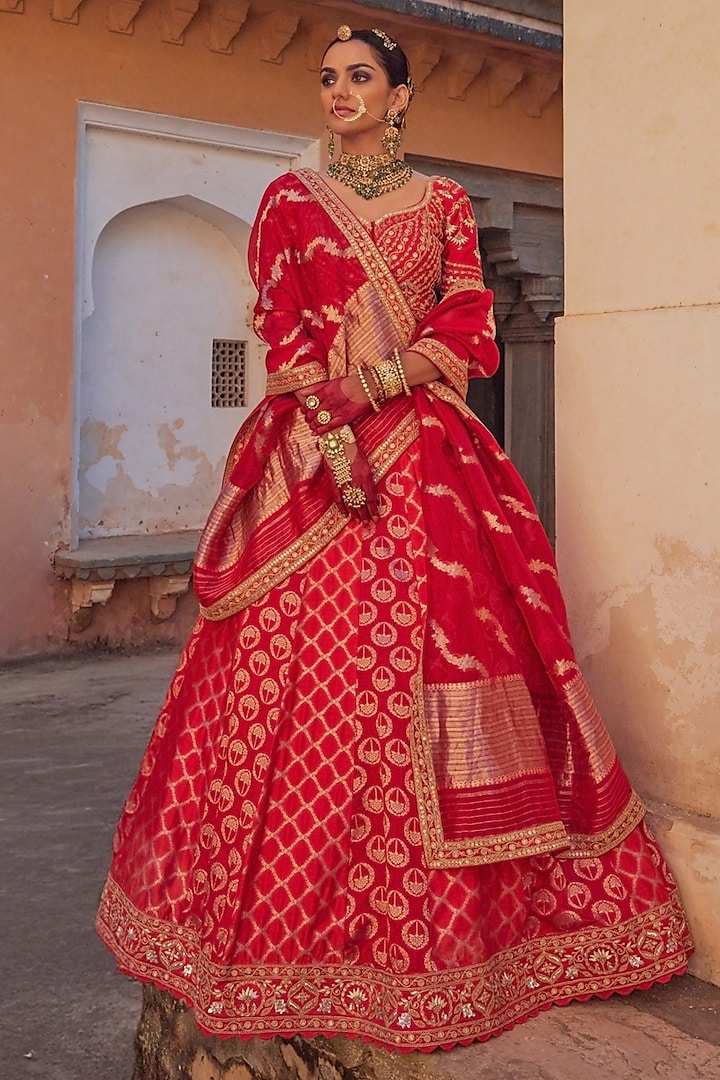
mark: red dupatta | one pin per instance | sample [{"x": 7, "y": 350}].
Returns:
[
  {"x": 327, "y": 302},
  {"x": 509, "y": 755}
]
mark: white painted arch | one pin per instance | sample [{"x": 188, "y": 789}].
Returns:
[{"x": 163, "y": 217}]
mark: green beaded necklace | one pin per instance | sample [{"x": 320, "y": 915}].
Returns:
[{"x": 370, "y": 175}]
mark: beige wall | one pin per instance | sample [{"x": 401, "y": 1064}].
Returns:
[
  {"x": 46, "y": 66},
  {"x": 638, "y": 410}
]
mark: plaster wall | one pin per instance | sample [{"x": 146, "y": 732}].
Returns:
[
  {"x": 48, "y": 66},
  {"x": 151, "y": 447},
  {"x": 638, "y": 411}
]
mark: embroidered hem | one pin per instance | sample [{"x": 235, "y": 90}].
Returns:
[{"x": 420, "y": 1011}]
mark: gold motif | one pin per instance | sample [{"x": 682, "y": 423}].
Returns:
[
  {"x": 388, "y": 1003},
  {"x": 344, "y": 33}
]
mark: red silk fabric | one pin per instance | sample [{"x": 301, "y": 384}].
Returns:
[{"x": 379, "y": 799}]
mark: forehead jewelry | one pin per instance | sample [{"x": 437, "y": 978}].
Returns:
[
  {"x": 344, "y": 33},
  {"x": 387, "y": 41}
]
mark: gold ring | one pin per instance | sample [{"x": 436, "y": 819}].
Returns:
[
  {"x": 354, "y": 497},
  {"x": 312, "y": 401},
  {"x": 324, "y": 417}
]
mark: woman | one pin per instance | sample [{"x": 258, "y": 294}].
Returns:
[{"x": 379, "y": 799}]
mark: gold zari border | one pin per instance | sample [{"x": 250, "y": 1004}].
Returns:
[
  {"x": 291, "y": 379},
  {"x": 278, "y": 569},
  {"x": 445, "y": 360},
  {"x": 442, "y": 854},
  {"x": 414, "y": 1011},
  {"x": 312, "y": 542}
]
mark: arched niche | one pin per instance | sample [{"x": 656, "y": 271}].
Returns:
[{"x": 169, "y": 278}]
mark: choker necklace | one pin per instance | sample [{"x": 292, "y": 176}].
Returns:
[{"x": 370, "y": 175}]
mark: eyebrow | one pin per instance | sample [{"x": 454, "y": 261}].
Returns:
[{"x": 350, "y": 67}]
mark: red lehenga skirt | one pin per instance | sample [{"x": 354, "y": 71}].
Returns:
[{"x": 269, "y": 867}]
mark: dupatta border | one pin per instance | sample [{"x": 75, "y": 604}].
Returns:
[
  {"x": 553, "y": 837},
  {"x": 297, "y": 378},
  {"x": 372, "y": 262},
  {"x": 311, "y": 543},
  {"x": 278, "y": 569}
]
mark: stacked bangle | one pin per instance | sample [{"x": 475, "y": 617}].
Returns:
[
  {"x": 389, "y": 379},
  {"x": 401, "y": 371},
  {"x": 362, "y": 376}
]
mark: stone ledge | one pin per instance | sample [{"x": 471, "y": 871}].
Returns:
[{"x": 92, "y": 568}]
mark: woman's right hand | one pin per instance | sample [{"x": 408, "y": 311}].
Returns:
[
  {"x": 362, "y": 478},
  {"x": 343, "y": 399}
]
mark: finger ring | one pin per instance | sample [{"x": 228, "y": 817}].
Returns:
[
  {"x": 354, "y": 497},
  {"x": 312, "y": 401},
  {"x": 324, "y": 417}
]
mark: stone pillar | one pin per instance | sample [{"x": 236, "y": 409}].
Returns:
[{"x": 638, "y": 412}]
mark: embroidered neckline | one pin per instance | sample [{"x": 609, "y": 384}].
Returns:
[{"x": 429, "y": 192}]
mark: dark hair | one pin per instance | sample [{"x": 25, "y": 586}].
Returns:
[{"x": 394, "y": 62}]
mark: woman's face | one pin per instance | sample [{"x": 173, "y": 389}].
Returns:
[{"x": 351, "y": 69}]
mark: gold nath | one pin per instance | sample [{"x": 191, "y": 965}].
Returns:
[{"x": 370, "y": 175}]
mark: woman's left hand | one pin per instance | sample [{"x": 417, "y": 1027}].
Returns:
[{"x": 343, "y": 400}]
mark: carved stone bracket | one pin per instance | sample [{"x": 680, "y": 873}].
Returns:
[
  {"x": 425, "y": 58},
  {"x": 164, "y": 593},
  {"x": 175, "y": 18},
  {"x": 65, "y": 11},
  {"x": 83, "y": 597},
  {"x": 465, "y": 69},
  {"x": 538, "y": 88},
  {"x": 503, "y": 77},
  {"x": 543, "y": 294},
  {"x": 227, "y": 17},
  {"x": 121, "y": 15},
  {"x": 14, "y": 7},
  {"x": 319, "y": 37},
  {"x": 277, "y": 31},
  {"x": 93, "y": 568}
]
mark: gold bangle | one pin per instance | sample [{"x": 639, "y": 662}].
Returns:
[
  {"x": 363, "y": 380},
  {"x": 388, "y": 378},
  {"x": 379, "y": 388},
  {"x": 401, "y": 371}
]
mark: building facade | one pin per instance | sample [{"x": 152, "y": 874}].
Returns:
[{"x": 140, "y": 135}]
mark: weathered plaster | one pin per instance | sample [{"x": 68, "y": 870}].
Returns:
[{"x": 638, "y": 411}]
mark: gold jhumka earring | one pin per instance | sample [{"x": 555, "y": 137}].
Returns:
[
  {"x": 391, "y": 135},
  {"x": 331, "y": 144}
]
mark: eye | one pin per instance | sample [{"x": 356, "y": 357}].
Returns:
[
  {"x": 360, "y": 76},
  {"x": 326, "y": 80}
]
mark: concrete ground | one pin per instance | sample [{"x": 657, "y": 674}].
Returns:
[{"x": 72, "y": 731}]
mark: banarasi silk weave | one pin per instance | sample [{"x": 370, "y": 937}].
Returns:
[{"x": 379, "y": 799}]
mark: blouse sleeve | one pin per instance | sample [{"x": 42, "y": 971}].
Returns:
[
  {"x": 458, "y": 334},
  {"x": 295, "y": 358}
]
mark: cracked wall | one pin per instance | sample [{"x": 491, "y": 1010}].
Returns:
[{"x": 638, "y": 414}]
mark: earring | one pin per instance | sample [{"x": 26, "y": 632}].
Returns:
[
  {"x": 331, "y": 144},
  {"x": 391, "y": 135}
]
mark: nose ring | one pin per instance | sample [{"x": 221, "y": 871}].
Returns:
[{"x": 362, "y": 109}]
